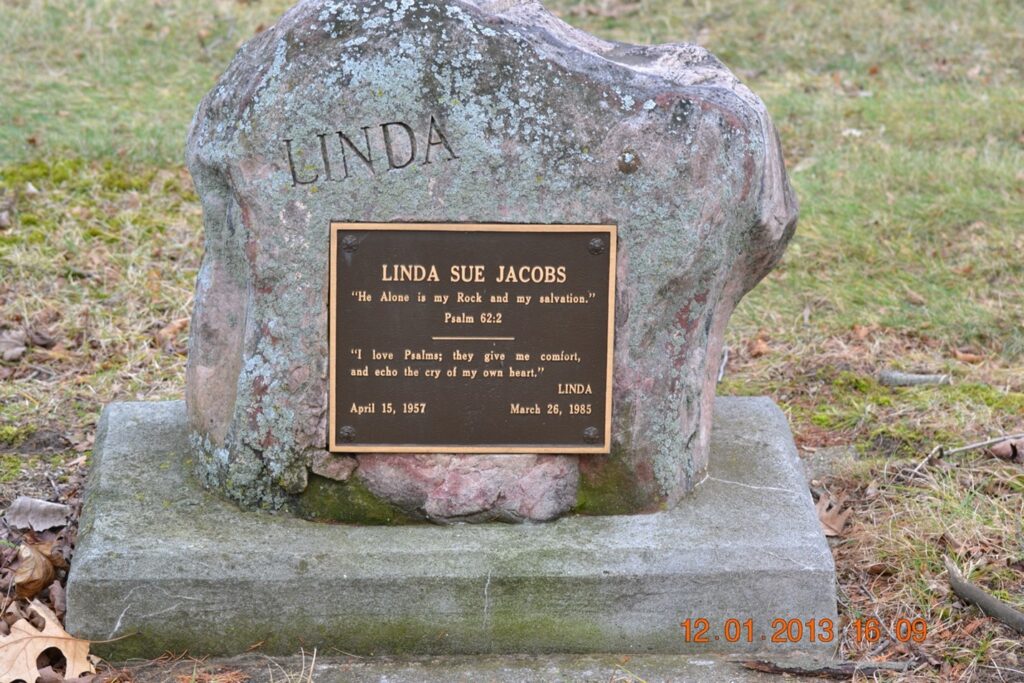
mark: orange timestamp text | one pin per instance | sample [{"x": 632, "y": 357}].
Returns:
[{"x": 870, "y": 630}]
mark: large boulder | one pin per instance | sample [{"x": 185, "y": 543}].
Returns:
[{"x": 517, "y": 118}]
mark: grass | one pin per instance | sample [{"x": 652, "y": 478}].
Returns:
[{"x": 903, "y": 133}]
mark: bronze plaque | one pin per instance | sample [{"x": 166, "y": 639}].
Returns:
[{"x": 471, "y": 338}]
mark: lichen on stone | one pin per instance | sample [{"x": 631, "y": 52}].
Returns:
[{"x": 548, "y": 125}]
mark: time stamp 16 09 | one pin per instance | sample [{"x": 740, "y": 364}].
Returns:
[{"x": 793, "y": 630}]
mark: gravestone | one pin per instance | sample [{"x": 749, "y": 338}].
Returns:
[
  {"x": 399, "y": 112},
  {"x": 464, "y": 263}
]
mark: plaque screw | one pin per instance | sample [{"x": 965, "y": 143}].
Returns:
[
  {"x": 349, "y": 243},
  {"x": 596, "y": 246},
  {"x": 629, "y": 161},
  {"x": 591, "y": 435},
  {"x": 347, "y": 433}
]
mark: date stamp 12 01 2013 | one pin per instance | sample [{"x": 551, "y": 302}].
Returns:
[{"x": 793, "y": 630}]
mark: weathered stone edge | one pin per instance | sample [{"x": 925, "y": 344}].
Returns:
[{"x": 183, "y": 570}]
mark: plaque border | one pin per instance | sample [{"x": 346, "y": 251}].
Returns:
[{"x": 598, "y": 449}]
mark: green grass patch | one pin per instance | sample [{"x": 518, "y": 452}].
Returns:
[
  {"x": 10, "y": 468},
  {"x": 12, "y": 435}
]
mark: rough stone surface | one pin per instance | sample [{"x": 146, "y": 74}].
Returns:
[
  {"x": 333, "y": 466},
  {"x": 509, "y": 488},
  {"x": 522, "y": 119},
  {"x": 180, "y": 569}
]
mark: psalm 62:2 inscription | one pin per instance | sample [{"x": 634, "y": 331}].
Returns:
[{"x": 471, "y": 338}]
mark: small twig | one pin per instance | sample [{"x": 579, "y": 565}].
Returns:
[
  {"x": 725, "y": 361},
  {"x": 56, "y": 489},
  {"x": 935, "y": 454},
  {"x": 940, "y": 452},
  {"x": 989, "y": 604},
  {"x": 836, "y": 670}
]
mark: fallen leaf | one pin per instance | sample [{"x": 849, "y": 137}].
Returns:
[
  {"x": 880, "y": 569},
  {"x": 31, "y": 190},
  {"x": 967, "y": 356},
  {"x": 51, "y": 550},
  {"x": 20, "y": 649},
  {"x": 169, "y": 332},
  {"x": 1012, "y": 450},
  {"x": 949, "y": 542},
  {"x": 41, "y": 336},
  {"x": 757, "y": 347},
  {"x": 915, "y": 298},
  {"x": 862, "y": 332},
  {"x": 831, "y": 514},
  {"x": 973, "y": 626},
  {"x": 33, "y": 573},
  {"x": 12, "y": 344},
  {"x": 58, "y": 599},
  {"x": 36, "y": 514},
  {"x": 84, "y": 443}
]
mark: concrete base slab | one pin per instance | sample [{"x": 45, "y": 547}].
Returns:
[
  {"x": 463, "y": 669},
  {"x": 174, "y": 568}
]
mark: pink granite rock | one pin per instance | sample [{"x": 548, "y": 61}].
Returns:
[
  {"x": 446, "y": 488},
  {"x": 546, "y": 124},
  {"x": 333, "y": 466}
]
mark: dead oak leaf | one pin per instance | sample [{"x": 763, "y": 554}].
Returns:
[
  {"x": 758, "y": 347},
  {"x": 968, "y": 356},
  {"x": 831, "y": 514},
  {"x": 12, "y": 344},
  {"x": 33, "y": 513},
  {"x": 34, "y": 572},
  {"x": 1012, "y": 450},
  {"x": 20, "y": 649}
]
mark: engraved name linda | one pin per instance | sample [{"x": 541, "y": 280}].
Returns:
[{"x": 397, "y": 140}]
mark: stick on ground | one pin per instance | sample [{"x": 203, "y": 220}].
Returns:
[
  {"x": 940, "y": 452},
  {"x": 989, "y": 604},
  {"x": 834, "y": 670}
]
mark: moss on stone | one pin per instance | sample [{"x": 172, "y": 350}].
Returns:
[
  {"x": 610, "y": 487},
  {"x": 346, "y": 501},
  {"x": 369, "y": 635}
]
